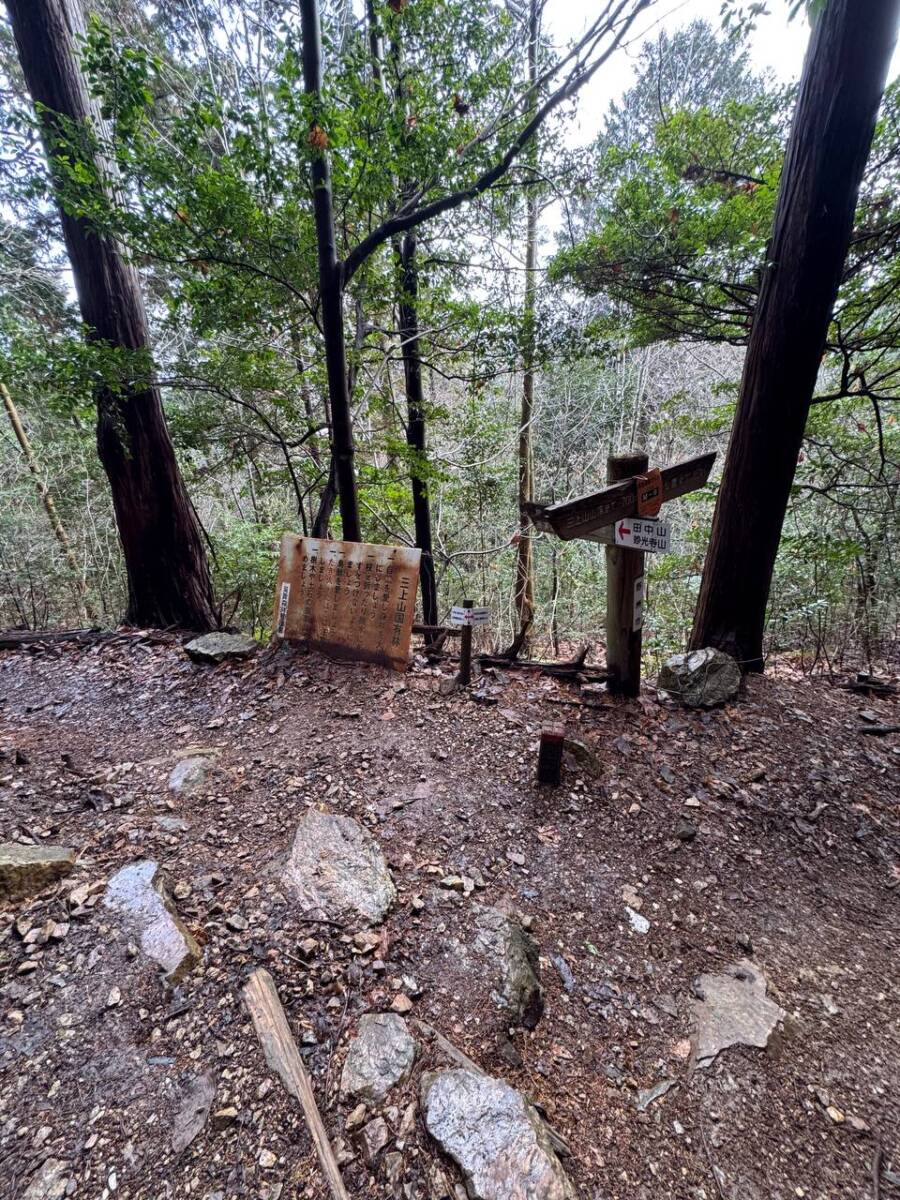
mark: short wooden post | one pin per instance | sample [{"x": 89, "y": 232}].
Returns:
[
  {"x": 624, "y": 594},
  {"x": 464, "y": 678}
]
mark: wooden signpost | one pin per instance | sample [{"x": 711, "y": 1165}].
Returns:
[{"x": 623, "y": 517}]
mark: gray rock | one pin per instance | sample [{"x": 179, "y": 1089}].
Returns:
[
  {"x": 169, "y": 824},
  {"x": 583, "y": 756},
  {"x": 26, "y": 870},
  {"x": 337, "y": 867},
  {"x": 380, "y": 1056},
  {"x": 136, "y": 893},
  {"x": 513, "y": 958},
  {"x": 50, "y": 1182},
  {"x": 648, "y": 1096},
  {"x": 374, "y": 1137},
  {"x": 701, "y": 679},
  {"x": 732, "y": 1009},
  {"x": 188, "y": 775},
  {"x": 498, "y": 1140},
  {"x": 215, "y": 647},
  {"x": 194, "y": 1111}
]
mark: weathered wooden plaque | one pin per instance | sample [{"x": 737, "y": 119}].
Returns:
[{"x": 350, "y": 599}]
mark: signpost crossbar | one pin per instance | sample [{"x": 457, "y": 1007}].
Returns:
[{"x": 584, "y": 515}]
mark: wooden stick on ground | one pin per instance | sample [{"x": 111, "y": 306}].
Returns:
[{"x": 282, "y": 1055}]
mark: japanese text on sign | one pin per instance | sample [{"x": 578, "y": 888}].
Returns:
[
  {"x": 643, "y": 534},
  {"x": 469, "y": 616},
  {"x": 637, "y": 612},
  {"x": 350, "y": 599}
]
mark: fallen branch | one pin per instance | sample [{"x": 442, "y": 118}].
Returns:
[
  {"x": 868, "y": 684},
  {"x": 19, "y": 639},
  {"x": 575, "y": 669},
  {"x": 282, "y": 1055},
  {"x": 879, "y": 730}
]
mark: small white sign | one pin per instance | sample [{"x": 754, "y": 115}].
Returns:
[
  {"x": 637, "y": 612},
  {"x": 469, "y": 616},
  {"x": 283, "y": 600},
  {"x": 643, "y": 533}
]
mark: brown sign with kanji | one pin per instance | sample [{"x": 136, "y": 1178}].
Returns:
[{"x": 350, "y": 599}]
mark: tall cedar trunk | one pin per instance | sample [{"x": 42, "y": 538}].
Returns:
[
  {"x": 840, "y": 90},
  {"x": 408, "y": 310},
  {"x": 165, "y": 557},
  {"x": 524, "y": 554},
  {"x": 331, "y": 284}
]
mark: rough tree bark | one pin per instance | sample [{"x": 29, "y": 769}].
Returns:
[
  {"x": 840, "y": 91},
  {"x": 331, "y": 284},
  {"x": 524, "y": 552},
  {"x": 165, "y": 557}
]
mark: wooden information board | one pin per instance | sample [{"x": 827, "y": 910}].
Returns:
[{"x": 350, "y": 599}]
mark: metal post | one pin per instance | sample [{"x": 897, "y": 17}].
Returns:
[
  {"x": 624, "y": 594},
  {"x": 464, "y": 678}
]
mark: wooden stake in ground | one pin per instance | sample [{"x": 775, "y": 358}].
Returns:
[
  {"x": 464, "y": 678},
  {"x": 282, "y": 1055},
  {"x": 84, "y": 607},
  {"x": 624, "y": 594}
]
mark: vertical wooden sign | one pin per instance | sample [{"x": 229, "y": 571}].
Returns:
[
  {"x": 350, "y": 599},
  {"x": 624, "y": 595}
]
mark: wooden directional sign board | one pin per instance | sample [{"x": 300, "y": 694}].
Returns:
[
  {"x": 350, "y": 599},
  {"x": 584, "y": 516}
]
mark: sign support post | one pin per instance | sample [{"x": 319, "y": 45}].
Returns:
[
  {"x": 624, "y": 594},
  {"x": 465, "y": 650}
]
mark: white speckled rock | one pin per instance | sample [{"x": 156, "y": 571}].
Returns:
[
  {"x": 497, "y": 1139},
  {"x": 701, "y": 679},
  {"x": 137, "y": 894},
  {"x": 337, "y": 867}
]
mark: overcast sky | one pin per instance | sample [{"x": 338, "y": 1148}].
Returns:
[{"x": 777, "y": 43}]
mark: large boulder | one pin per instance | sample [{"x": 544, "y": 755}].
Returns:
[
  {"x": 380, "y": 1056},
  {"x": 216, "y": 647},
  {"x": 511, "y": 958},
  {"x": 136, "y": 893},
  {"x": 337, "y": 868},
  {"x": 701, "y": 679},
  {"x": 495, "y": 1137},
  {"x": 26, "y": 870}
]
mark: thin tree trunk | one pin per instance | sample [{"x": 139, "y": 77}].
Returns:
[
  {"x": 85, "y": 608},
  {"x": 331, "y": 282},
  {"x": 840, "y": 91},
  {"x": 165, "y": 557},
  {"x": 408, "y": 310},
  {"x": 524, "y": 596},
  {"x": 407, "y": 289}
]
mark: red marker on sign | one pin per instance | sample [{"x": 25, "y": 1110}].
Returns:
[{"x": 624, "y": 530}]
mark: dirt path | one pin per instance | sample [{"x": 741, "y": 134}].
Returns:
[{"x": 793, "y": 862}]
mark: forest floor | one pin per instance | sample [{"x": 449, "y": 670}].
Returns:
[{"x": 795, "y": 865}]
